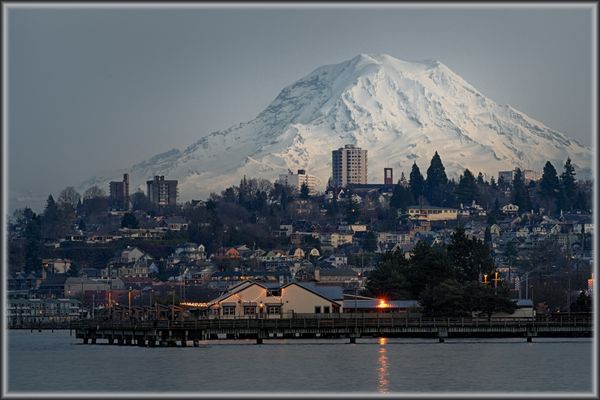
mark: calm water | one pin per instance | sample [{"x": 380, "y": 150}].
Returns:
[{"x": 56, "y": 362}]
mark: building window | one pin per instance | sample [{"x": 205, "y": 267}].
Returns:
[
  {"x": 326, "y": 310},
  {"x": 273, "y": 309},
  {"x": 249, "y": 310},
  {"x": 317, "y": 309},
  {"x": 228, "y": 310}
]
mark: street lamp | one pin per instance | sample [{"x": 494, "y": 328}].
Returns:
[
  {"x": 129, "y": 300},
  {"x": 533, "y": 303}
]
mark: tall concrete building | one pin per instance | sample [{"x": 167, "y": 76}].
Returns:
[
  {"x": 297, "y": 180},
  {"x": 162, "y": 192},
  {"x": 348, "y": 166},
  {"x": 119, "y": 193}
]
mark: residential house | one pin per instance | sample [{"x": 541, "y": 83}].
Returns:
[
  {"x": 344, "y": 276},
  {"x": 510, "y": 209},
  {"x": 173, "y": 224},
  {"x": 335, "y": 239},
  {"x": 56, "y": 265}
]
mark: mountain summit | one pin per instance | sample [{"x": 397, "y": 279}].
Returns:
[{"x": 400, "y": 111}]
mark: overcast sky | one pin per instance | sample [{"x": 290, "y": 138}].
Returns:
[{"x": 99, "y": 89}]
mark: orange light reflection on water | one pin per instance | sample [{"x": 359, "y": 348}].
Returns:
[{"x": 383, "y": 381}]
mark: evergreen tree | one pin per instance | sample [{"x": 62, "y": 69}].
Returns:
[
  {"x": 435, "y": 184},
  {"x": 416, "y": 182},
  {"x": 428, "y": 265},
  {"x": 466, "y": 191},
  {"x": 444, "y": 300},
  {"x": 493, "y": 183},
  {"x": 33, "y": 246},
  {"x": 73, "y": 270},
  {"x": 370, "y": 242},
  {"x": 401, "y": 197},
  {"x": 389, "y": 278},
  {"x": 333, "y": 208},
  {"x": 496, "y": 209},
  {"x": 79, "y": 208},
  {"x": 583, "y": 303},
  {"x": 487, "y": 300},
  {"x": 468, "y": 257},
  {"x": 403, "y": 182},
  {"x": 520, "y": 194},
  {"x": 549, "y": 188},
  {"x": 352, "y": 210},
  {"x": 568, "y": 186},
  {"x": 51, "y": 219},
  {"x": 487, "y": 236},
  {"x": 304, "y": 191},
  {"x": 502, "y": 183},
  {"x": 480, "y": 180},
  {"x": 129, "y": 221},
  {"x": 581, "y": 202},
  {"x": 549, "y": 185}
]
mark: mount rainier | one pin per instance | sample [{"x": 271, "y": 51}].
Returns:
[{"x": 399, "y": 111}]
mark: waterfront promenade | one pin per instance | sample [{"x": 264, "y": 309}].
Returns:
[{"x": 351, "y": 326}]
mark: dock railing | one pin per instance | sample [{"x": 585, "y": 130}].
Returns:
[{"x": 342, "y": 320}]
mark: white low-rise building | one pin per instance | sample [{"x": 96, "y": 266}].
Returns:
[
  {"x": 257, "y": 300},
  {"x": 297, "y": 180},
  {"x": 430, "y": 213}
]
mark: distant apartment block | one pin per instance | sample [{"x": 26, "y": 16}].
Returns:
[
  {"x": 162, "y": 192},
  {"x": 119, "y": 193},
  {"x": 506, "y": 176},
  {"x": 429, "y": 213},
  {"x": 349, "y": 166},
  {"x": 528, "y": 175},
  {"x": 297, "y": 180}
]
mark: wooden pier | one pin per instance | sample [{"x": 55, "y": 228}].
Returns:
[{"x": 352, "y": 326}]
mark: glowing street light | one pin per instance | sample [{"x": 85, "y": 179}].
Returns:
[{"x": 382, "y": 304}]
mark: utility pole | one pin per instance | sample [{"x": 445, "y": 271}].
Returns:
[
  {"x": 129, "y": 301},
  {"x": 110, "y": 289},
  {"x": 533, "y": 301},
  {"x": 173, "y": 305},
  {"x": 569, "y": 299}
]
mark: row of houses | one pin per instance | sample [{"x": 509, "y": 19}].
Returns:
[{"x": 25, "y": 312}]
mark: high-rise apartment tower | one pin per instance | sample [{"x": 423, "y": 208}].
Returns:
[{"x": 349, "y": 166}]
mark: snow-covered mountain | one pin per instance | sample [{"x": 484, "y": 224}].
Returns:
[{"x": 399, "y": 111}]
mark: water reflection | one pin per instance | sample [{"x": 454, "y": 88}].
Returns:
[{"x": 383, "y": 382}]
